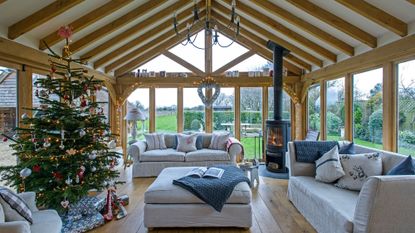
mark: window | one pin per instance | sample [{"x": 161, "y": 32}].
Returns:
[
  {"x": 140, "y": 99},
  {"x": 251, "y": 121},
  {"x": 103, "y": 96},
  {"x": 406, "y": 106},
  {"x": 166, "y": 109},
  {"x": 221, "y": 56},
  {"x": 253, "y": 63},
  {"x": 35, "y": 99},
  {"x": 224, "y": 111},
  {"x": 367, "y": 108},
  {"x": 8, "y": 112},
  {"x": 162, "y": 63},
  {"x": 313, "y": 107},
  {"x": 194, "y": 111},
  {"x": 191, "y": 54},
  {"x": 286, "y": 104},
  {"x": 335, "y": 109}
]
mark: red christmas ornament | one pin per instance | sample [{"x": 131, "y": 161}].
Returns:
[
  {"x": 57, "y": 175},
  {"x": 5, "y": 139},
  {"x": 66, "y": 97},
  {"x": 83, "y": 103},
  {"x": 36, "y": 168}
]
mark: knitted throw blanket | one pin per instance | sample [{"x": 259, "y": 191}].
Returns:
[{"x": 214, "y": 192}]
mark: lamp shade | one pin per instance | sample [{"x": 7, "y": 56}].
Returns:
[{"x": 135, "y": 114}]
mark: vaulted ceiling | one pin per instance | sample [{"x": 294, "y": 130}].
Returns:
[{"x": 119, "y": 35}]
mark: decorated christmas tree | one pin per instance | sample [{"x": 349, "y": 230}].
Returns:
[{"x": 63, "y": 150}]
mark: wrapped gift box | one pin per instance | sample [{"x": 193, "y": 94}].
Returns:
[{"x": 84, "y": 224}]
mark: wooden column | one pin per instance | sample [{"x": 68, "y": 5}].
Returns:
[
  {"x": 180, "y": 109},
  {"x": 348, "y": 107},
  {"x": 390, "y": 111},
  {"x": 152, "y": 110},
  {"x": 237, "y": 108},
  {"x": 24, "y": 92},
  {"x": 323, "y": 110},
  {"x": 264, "y": 117},
  {"x": 208, "y": 71},
  {"x": 124, "y": 130}
]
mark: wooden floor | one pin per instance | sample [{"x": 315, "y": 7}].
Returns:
[{"x": 272, "y": 212}]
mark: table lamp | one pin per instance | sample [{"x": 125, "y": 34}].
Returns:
[{"x": 134, "y": 114}]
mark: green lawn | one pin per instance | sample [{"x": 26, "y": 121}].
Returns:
[
  {"x": 166, "y": 123},
  {"x": 249, "y": 148}
]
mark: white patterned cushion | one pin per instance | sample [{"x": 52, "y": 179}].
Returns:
[
  {"x": 219, "y": 141},
  {"x": 155, "y": 141},
  {"x": 358, "y": 168},
  {"x": 328, "y": 166},
  {"x": 186, "y": 143},
  {"x": 15, "y": 209}
]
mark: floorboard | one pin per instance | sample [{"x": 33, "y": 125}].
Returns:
[{"x": 272, "y": 211}]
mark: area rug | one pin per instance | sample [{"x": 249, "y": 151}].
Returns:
[{"x": 264, "y": 172}]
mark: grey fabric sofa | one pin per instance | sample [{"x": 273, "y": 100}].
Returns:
[
  {"x": 151, "y": 163},
  {"x": 385, "y": 204},
  {"x": 43, "y": 220}
]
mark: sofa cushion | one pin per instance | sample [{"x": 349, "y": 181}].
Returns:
[
  {"x": 155, "y": 141},
  {"x": 170, "y": 139},
  {"x": 162, "y": 190},
  {"x": 186, "y": 143},
  {"x": 310, "y": 151},
  {"x": 358, "y": 169},
  {"x": 328, "y": 167},
  {"x": 207, "y": 155},
  {"x": 326, "y": 207},
  {"x": 14, "y": 207},
  {"x": 219, "y": 141},
  {"x": 2, "y": 219},
  {"x": 46, "y": 221},
  {"x": 405, "y": 167},
  {"x": 167, "y": 155},
  {"x": 347, "y": 148}
]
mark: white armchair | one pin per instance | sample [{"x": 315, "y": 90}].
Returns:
[{"x": 43, "y": 220}]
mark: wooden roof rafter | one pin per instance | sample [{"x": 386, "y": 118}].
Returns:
[
  {"x": 151, "y": 21},
  {"x": 156, "y": 51},
  {"x": 377, "y": 15},
  {"x": 284, "y": 30},
  {"x": 411, "y": 1},
  {"x": 247, "y": 24},
  {"x": 306, "y": 26},
  {"x": 40, "y": 17},
  {"x": 2, "y": 1},
  {"x": 166, "y": 24},
  {"x": 116, "y": 24},
  {"x": 86, "y": 20},
  {"x": 138, "y": 51},
  {"x": 336, "y": 22},
  {"x": 263, "y": 52}
]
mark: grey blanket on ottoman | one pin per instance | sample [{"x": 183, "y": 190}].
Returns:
[{"x": 214, "y": 191}]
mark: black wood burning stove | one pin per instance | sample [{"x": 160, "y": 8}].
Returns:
[{"x": 278, "y": 131}]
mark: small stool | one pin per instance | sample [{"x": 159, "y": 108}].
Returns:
[{"x": 253, "y": 172}]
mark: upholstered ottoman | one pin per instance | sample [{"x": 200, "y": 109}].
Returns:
[{"x": 168, "y": 205}]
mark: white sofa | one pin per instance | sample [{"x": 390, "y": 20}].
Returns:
[
  {"x": 43, "y": 220},
  {"x": 385, "y": 204},
  {"x": 151, "y": 163}
]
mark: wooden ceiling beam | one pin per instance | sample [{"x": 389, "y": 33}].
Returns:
[
  {"x": 263, "y": 52},
  {"x": 248, "y": 24},
  {"x": 137, "y": 52},
  {"x": 183, "y": 63},
  {"x": 138, "y": 61},
  {"x": 116, "y": 24},
  {"x": 40, "y": 17},
  {"x": 2, "y": 1},
  {"x": 138, "y": 40},
  {"x": 411, "y": 1},
  {"x": 335, "y": 22},
  {"x": 305, "y": 26},
  {"x": 284, "y": 30},
  {"x": 234, "y": 62},
  {"x": 377, "y": 15},
  {"x": 139, "y": 27},
  {"x": 263, "y": 42},
  {"x": 86, "y": 20}
]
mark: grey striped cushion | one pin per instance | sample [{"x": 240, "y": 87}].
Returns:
[
  {"x": 155, "y": 141},
  {"x": 328, "y": 166},
  {"x": 15, "y": 209},
  {"x": 218, "y": 141}
]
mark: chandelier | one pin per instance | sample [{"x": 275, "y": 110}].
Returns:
[{"x": 210, "y": 26}]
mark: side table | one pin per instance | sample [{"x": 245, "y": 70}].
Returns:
[{"x": 253, "y": 172}]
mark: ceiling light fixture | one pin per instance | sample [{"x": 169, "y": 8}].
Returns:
[{"x": 210, "y": 25}]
